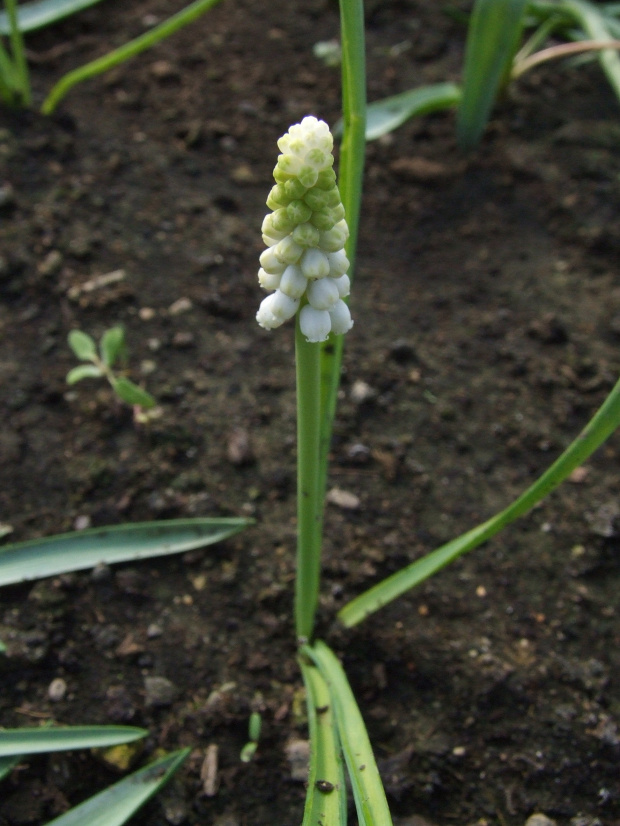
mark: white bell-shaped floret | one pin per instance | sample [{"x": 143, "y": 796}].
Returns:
[
  {"x": 314, "y": 264},
  {"x": 314, "y": 324},
  {"x": 276, "y": 309},
  {"x": 288, "y": 251},
  {"x": 323, "y": 294},
  {"x": 344, "y": 285},
  {"x": 340, "y": 318},
  {"x": 270, "y": 262},
  {"x": 292, "y": 282},
  {"x": 338, "y": 263},
  {"x": 268, "y": 280}
]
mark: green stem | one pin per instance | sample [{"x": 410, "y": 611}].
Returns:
[
  {"x": 131, "y": 49},
  {"x": 308, "y": 503},
  {"x": 598, "y": 429},
  {"x": 22, "y": 82}
]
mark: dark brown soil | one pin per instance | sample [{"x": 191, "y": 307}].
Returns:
[{"x": 487, "y": 310}]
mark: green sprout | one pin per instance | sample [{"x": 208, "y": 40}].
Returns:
[
  {"x": 101, "y": 364},
  {"x": 254, "y": 727}
]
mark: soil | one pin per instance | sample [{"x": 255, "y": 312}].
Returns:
[{"x": 487, "y": 310}]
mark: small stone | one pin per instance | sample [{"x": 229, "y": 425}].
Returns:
[
  {"x": 239, "y": 449},
  {"x": 164, "y": 70},
  {"x": 539, "y": 820},
  {"x": 181, "y": 305},
  {"x": 51, "y": 264},
  {"x": 82, "y": 522},
  {"x": 183, "y": 340},
  {"x": 159, "y": 691},
  {"x": 343, "y": 499},
  {"x": 209, "y": 771},
  {"x": 298, "y": 755},
  {"x": 362, "y": 392},
  {"x": 57, "y": 689}
]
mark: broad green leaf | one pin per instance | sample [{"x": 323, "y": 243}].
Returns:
[
  {"x": 326, "y": 794},
  {"x": 368, "y": 791},
  {"x": 116, "y": 805},
  {"x": 82, "y": 345},
  {"x": 112, "y": 345},
  {"x": 49, "y": 556},
  {"x": 386, "y": 115},
  {"x": 131, "y": 393},
  {"x": 7, "y": 764},
  {"x": 83, "y": 371},
  {"x": 599, "y": 428},
  {"x": 20, "y": 741},
  {"x": 492, "y": 40},
  {"x": 36, "y": 15}
]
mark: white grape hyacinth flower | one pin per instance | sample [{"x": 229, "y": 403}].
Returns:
[{"x": 304, "y": 267}]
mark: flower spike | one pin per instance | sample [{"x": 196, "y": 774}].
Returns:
[{"x": 305, "y": 266}]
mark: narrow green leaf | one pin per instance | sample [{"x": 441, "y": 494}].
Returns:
[
  {"x": 83, "y": 371},
  {"x": 368, "y": 791},
  {"x": 2, "y": 647},
  {"x": 596, "y": 25},
  {"x": 82, "y": 345},
  {"x": 326, "y": 794},
  {"x": 112, "y": 345},
  {"x": 131, "y": 393},
  {"x": 116, "y": 805},
  {"x": 386, "y": 115},
  {"x": 599, "y": 428},
  {"x": 54, "y": 555},
  {"x": 36, "y": 15},
  {"x": 20, "y": 741},
  {"x": 7, "y": 764},
  {"x": 492, "y": 39}
]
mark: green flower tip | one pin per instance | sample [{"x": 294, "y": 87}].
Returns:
[{"x": 305, "y": 266}]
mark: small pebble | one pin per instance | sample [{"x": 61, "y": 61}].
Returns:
[
  {"x": 159, "y": 691},
  {"x": 343, "y": 499},
  {"x": 362, "y": 392},
  {"x": 539, "y": 820},
  {"x": 181, "y": 305},
  {"x": 57, "y": 689}
]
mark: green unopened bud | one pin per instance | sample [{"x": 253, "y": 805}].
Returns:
[
  {"x": 298, "y": 212},
  {"x": 306, "y": 235}
]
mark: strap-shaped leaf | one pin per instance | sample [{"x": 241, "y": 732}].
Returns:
[
  {"x": 7, "y": 764},
  {"x": 117, "y": 804},
  {"x": 326, "y": 795},
  {"x": 368, "y": 792},
  {"x": 36, "y": 15},
  {"x": 19, "y": 741},
  {"x": 58, "y": 554},
  {"x": 493, "y": 36}
]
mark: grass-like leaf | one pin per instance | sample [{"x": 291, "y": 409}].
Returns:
[
  {"x": 20, "y": 741},
  {"x": 40, "y": 13},
  {"x": 492, "y": 40},
  {"x": 599, "y": 428},
  {"x": 386, "y": 115},
  {"x": 326, "y": 795},
  {"x": 58, "y": 554},
  {"x": 119, "y": 802},
  {"x": 368, "y": 792}
]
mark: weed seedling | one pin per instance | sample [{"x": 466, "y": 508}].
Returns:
[{"x": 101, "y": 363}]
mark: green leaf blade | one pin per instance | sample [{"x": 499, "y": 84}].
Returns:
[
  {"x": 21, "y": 741},
  {"x": 50, "y": 556},
  {"x": 40, "y": 13},
  {"x": 323, "y": 804},
  {"x": 117, "y": 804},
  {"x": 384, "y": 116},
  {"x": 82, "y": 345},
  {"x": 83, "y": 371},
  {"x": 129, "y": 392},
  {"x": 112, "y": 345},
  {"x": 368, "y": 791},
  {"x": 492, "y": 40}
]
